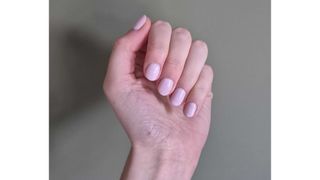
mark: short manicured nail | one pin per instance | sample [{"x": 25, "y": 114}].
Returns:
[
  {"x": 178, "y": 96},
  {"x": 190, "y": 109},
  {"x": 140, "y": 22},
  {"x": 152, "y": 72},
  {"x": 165, "y": 86}
]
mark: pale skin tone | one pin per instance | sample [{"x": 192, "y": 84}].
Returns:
[{"x": 160, "y": 89}]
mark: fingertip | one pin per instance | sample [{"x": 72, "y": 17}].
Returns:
[
  {"x": 142, "y": 23},
  {"x": 190, "y": 109},
  {"x": 208, "y": 72},
  {"x": 126, "y": 47},
  {"x": 152, "y": 72}
]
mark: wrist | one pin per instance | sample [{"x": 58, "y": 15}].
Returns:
[{"x": 160, "y": 163}]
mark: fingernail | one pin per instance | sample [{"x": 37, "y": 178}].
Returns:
[
  {"x": 178, "y": 96},
  {"x": 190, "y": 109},
  {"x": 140, "y": 22},
  {"x": 152, "y": 72},
  {"x": 165, "y": 86}
]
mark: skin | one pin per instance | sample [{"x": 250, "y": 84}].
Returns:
[{"x": 166, "y": 144}]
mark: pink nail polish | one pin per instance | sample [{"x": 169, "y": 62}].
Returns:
[
  {"x": 165, "y": 86},
  {"x": 178, "y": 96},
  {"x": 140, "y": 22},
  {"x": 152, "y": 72},
  {"x": 190, "y": 109}
]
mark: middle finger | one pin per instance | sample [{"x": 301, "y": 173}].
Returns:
[{"x": 179, "y": 48}]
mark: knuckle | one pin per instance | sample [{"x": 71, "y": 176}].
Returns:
[
  {"x": 174, "y": 63},
  {"x": 201, "y": 44},
  {"x": 201, "y": 89},
  {"x": 107, "y": 89},
  {"x": 157, "y": 52},
  {"x": 208, "y": 71},
  {"x": 182, "y": 33},
  {"x": 110, "y": 87},
  {"x": 158, "y": 47},
  {"x": 121, "y": 42},
  {"x": 162, "y": 24}
]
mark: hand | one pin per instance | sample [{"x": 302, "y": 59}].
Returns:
[{"x": 160, "y": 89}]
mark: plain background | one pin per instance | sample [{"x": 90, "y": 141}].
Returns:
[{"x": 87, "y": 142}]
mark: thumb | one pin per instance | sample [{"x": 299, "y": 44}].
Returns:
[{"x": 122, "y": 59}]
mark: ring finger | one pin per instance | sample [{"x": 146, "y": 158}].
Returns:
[{"x": 194, "y": 64}]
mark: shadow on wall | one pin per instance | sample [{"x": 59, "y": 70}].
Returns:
[
  {"x": 81, "y": 39},
  {"x": 78, "y": 63}
]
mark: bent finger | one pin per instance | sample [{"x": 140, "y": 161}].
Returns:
[
  {"x": 122, "y": 57},
  {"x": 199, "y": 92}
]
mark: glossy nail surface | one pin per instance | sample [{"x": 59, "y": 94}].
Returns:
[
  {"x": 152, "y": 72},
  {"x": 178, "y": 97},
  {"x": 165, "y": 86},
  {"x": 190, "y": 109},
  {"x": 140, "y": 22}
]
